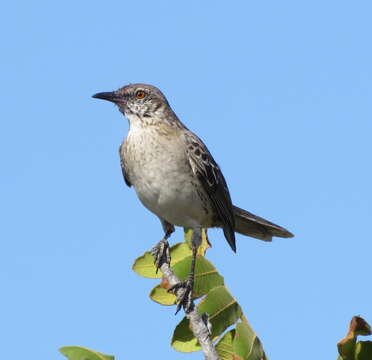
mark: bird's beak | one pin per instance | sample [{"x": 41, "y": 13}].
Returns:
[{"x": 109, "y": 96}]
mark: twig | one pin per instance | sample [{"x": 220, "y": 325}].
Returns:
[{"x": 198, "y": 324}]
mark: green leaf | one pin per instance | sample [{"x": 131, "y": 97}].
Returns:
[
  {"x": 144, "y": 265},
  {"x": 363, "y": 350},
  {"x": 179, "y": 251},
  {"x": 246, "y": 344},
  {"x": 222, "y": 308},
  {"x": 206, "y": 275},
  {"x": 257, "y": 352},
  {"x": 162, "y": 296},
  {"x": 183, "y": 339},
  {"x": 187, "y": 233},
  {"x": 204, "y": 245},
  {"x": 81, "y": 353},
  {"x": 223, "y": 311},
  {"x": 243, "y": 341},
  {"x": 206, "y": 278},
  {"x": 347, "y": 346},
  {"x": 224, "y": 346}
]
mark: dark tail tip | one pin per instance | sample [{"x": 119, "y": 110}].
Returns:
[{"x": 230, "y": 237}]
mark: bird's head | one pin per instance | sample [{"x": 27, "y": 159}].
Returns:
[{"x": 137, "y": 101}]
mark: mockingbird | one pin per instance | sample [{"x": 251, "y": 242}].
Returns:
[{"x": 176, "y": 177}]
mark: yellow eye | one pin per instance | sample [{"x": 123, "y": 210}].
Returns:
[{"x": 140, "y": 94}]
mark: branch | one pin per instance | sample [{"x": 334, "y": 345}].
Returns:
[{"x": 198, "y": 324}]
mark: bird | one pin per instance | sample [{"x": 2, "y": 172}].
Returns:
[{"x": 176, "y": 178}]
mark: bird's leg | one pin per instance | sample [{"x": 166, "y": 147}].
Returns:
[
  {"x": 161, "y": 251},
  {"x": 184, "y": 298}
]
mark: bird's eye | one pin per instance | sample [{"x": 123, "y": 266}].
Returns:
[{"x": 140, "y": 94}]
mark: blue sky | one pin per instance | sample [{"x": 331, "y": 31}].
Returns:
[{"x": 281, "y": 94}]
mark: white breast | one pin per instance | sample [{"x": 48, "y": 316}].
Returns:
[{"x": 162, "y": 177}]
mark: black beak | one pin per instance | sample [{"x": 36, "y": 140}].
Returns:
[{"x": 109, "y": 96}]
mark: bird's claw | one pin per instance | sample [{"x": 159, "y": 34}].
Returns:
[
  {"x": 161, "y": 254},
  {"x": 207, "y": 323},
  {"x": 184, "y": 297}
]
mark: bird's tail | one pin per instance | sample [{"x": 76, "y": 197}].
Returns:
[{"x": 257, "y": 227}]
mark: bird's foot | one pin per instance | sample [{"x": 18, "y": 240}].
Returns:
[
  {"x": 161, "y": 253},
  {"x": 184, "y": 297}
]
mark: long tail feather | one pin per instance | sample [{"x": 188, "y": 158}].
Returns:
[{"x": 249, "y": 224}]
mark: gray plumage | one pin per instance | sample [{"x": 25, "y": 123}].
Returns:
[{"x": 174, "y": 174}]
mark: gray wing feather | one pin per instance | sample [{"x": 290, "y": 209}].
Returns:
[
  {"x": 122, "y": 164},
  {"x": 214, "y": 184}
]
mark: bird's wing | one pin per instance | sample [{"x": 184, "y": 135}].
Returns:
[
  {"x": 213, "y": 182},
  {"x": 122, "y": 164}
]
